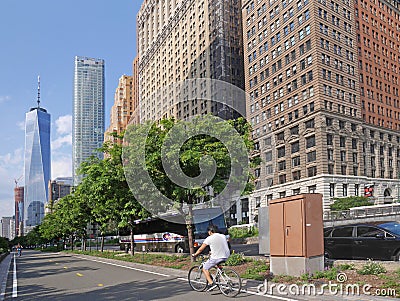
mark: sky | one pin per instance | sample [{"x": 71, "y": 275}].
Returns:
[{"x": 42, "y": 37}]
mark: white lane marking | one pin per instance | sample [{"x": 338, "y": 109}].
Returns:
[
  {"x": 15, "y": 281},
  {"x": 124, "y": 266},
  {"x": 256, "y": 294},
  {"x": 184, "y": 279}
]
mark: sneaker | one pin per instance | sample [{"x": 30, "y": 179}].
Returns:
[{"x": 210, "y": 287}]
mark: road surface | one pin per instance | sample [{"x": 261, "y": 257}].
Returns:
[{"x": 53, "y": 276}]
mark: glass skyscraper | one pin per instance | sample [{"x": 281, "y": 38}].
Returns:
[
  {"x": 37, "y": 166},
  {"x": 88, "y": 111}
]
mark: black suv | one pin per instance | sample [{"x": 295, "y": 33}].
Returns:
[{"x": 377, "y": 241}]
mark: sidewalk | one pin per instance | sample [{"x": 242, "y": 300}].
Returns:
[
  {"x": 250, "y": 286},
  {"x": 4, "y": 268}
]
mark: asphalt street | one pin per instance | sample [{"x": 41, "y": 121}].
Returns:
[{"x": 51, "y": 276}]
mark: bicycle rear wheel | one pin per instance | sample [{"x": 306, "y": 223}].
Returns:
[
  {"x": 196, "y": 278},
  {"x": 229, "y": 283}
]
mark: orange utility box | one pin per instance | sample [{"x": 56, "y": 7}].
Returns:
[{"x": 296, "y": 234}]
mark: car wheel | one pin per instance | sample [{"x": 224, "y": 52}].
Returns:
[
  {"x": 179, "y": 249},
  {"x": 327, "y": 254}
]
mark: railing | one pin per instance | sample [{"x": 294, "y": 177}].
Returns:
[{"x": 363, "y": 212}]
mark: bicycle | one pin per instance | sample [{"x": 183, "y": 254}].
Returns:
[{"x": 227, "y": 280}]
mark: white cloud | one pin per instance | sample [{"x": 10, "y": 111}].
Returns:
[
  {"x": 61, "y": 141},
  {"x": 4, "y": 98},
  {"x": 11, "y": 169},
  {"x": 16, "y": 158},
  {"x": 61, "y": 167},
  {"x": 7, "y": 207},
  {"x": 21, "y": 125},
  {"x": 64, "y": 125}
]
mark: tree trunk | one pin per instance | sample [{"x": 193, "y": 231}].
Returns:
[
  {"x": 189, "y": 226},
  {"x": 102, "y": 242},
  {"x": 72, "y": 242},
  {"x": 132, "y": 251}
]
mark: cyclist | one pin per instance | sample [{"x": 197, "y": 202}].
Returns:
[
  {"x": 19, "y": 249},
  {"x": 219, "y": 252}
]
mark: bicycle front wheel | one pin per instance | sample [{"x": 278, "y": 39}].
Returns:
[
  {"x": 229, "y": 283},
  {"x": 196, "y": 278}
]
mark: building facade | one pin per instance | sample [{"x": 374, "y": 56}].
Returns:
[
  {"x": 135, "y": 117},
  {"x": 122, "y": 109},
  {"x": 37, "y": 166},
  {"x": 186, "y": 39},
  {"x": 59, "y": 188},
  {"x": 7, "y": 227},
  {"x": 88, "y": 111},
  {"x": 19, "y": 209},
  {"x": 302, "y": 73}
]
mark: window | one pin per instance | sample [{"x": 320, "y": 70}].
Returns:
[
  {"x": 295, "y": 147},
  {"x": 281, "y": 152},
  {"x": 268, "y": 156},
  {"x": 312, "y": 189},
  {"x": 294, "y": 130},
  {"x": 311, "y": 156},
  {"x": 344, "y": 189},
  {"x": 329, "y": 139},
  {"x": 330, "y": 154},
  {"x": 296, "y": 176},
  {"x": 310, "y": 141},
  {"x": 312, "y": 171},
  {"x": 296, "y": 161},
  {"x": 343, "y": 232},
  {"x": 332, "y": 189},
  {"x": 310, "y": 124},
  {"x": 281, "y": 165},
  {"x": 365, "y": 231}
]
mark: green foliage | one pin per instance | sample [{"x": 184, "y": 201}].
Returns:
[
  {"x": 4, "y": 245},
  {"x": 236, "y": 259},
  {"x": 372, "y": 268},
  {"x": 145, "y": 152},
  {"x": 49, "y": 249},
  {"x": 330, "y": 274},
  {"x": 346, "y": 266},
  {"x": 350, "y": 202},
  {"x": 283, "y": 278},
  {"x": 243, "y": 232},
  {"x": 256, "y": 271}
]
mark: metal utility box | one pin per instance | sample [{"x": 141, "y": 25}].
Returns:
[{"x": 296, "y": 234}]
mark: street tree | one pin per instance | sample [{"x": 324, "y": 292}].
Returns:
[{"x": 189, "y": 162}]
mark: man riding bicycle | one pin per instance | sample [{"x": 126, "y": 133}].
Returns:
[{"x": 219, "y": 253}]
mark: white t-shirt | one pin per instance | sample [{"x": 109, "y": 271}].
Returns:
[{"x": 218, "y": 246}]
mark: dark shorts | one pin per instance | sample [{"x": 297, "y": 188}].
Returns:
[{"x": 211, "y": 262}]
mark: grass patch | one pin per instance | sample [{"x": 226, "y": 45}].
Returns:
[
  {"x": 236, "y": 259},
  {"x": 257, "y": 271},
  {"x": 330, "y": 274},
  {"x": 346, "y": 267},
  {"x": 372, "y": 268}
]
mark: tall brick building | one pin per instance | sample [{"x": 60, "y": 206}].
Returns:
[
  {"x": 308, "y": 103},
  {"x": 184, "y": 39}
]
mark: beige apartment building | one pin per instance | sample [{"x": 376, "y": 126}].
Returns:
[
  {"x": 301, "y": 61},
  {"x": 122, "y": 108},
  {"x": 187, "y": 39}
]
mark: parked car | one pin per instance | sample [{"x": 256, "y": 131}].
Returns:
[{"x": 377, "y": 241}]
